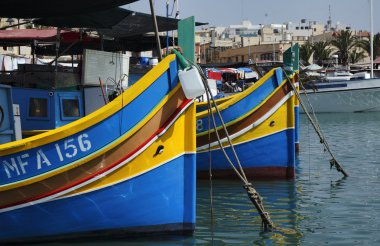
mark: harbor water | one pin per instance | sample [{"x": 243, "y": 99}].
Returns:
[{"x": 318, "y": 207}]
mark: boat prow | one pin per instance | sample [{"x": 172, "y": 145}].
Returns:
[
  {"x": 127, "y": 168},
  {"x": 261, "y": 125}
]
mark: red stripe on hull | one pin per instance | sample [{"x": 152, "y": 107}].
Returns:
[{"x": 53, "y": 192}]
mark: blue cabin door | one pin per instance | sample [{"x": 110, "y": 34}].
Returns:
[{"x": 6, "y": 115}]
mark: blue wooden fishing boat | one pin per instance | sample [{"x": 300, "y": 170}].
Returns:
[
  {"x": 261, "y": 125},
  {"x": 127, "y": 168}
]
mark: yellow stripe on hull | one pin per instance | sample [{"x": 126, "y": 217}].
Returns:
[
  {"x": 241, "y": 117},
  {"x": 176, "y": 142},
  {"x": 91, "y": 119},
  {"x": 92, "y": 155},
  {"x": 226, "y": 102},
  {"x": 283, "y": 119},
  {"x": 296, "y": 102}
]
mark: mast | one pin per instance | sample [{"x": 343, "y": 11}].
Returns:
[
  {"x": 176, "y": 16},
  {"x": 371, "y": 36},
  {"x": 156, "y": 30},
  {"x": 167, "y": 32}
]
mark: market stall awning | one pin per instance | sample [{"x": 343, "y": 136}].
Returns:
[
  {"x": 139, "y": 23},
  {"x": 43, "y": 8},
  {"x": 99, "y": 19},
  {"x": 116, "y": 22},
  {"x": 26, "y": 37},
  {"x": 135, "y": 44},
  {"x": 23, "y": 34},
  {"x": 123, "y": 30}
]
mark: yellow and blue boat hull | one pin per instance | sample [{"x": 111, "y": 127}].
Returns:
[
  {"x": 127, "y": 168},
  {"x": 261, "y": 125}
]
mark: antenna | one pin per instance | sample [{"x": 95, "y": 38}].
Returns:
[
  {"x": 371, "y": 37},
  {"x": 242, "y": 9},
  {"x": 177, "y": 13},
  {"x": 329, "y": 22}
]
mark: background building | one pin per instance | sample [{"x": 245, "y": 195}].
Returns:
[{"x": 248, "y": 42}]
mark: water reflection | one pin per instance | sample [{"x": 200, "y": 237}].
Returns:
[
  {"x": 235, "y": 220},
  {"x": 339, "y": 208},
  {"x": 319, "y": 207}
]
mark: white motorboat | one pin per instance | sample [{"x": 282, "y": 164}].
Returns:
[
  {"x": 338, "y": 75},
  {"x": 360, "y": 95},
  {"x": 344, "y": 92}
]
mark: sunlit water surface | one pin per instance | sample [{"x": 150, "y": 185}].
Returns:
[{"x": 319, "y": 207}]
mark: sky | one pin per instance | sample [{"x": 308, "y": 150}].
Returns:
[{"x": 353, "y": 13}]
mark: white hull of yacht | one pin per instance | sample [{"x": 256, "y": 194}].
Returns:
[{"x": 343, "y": 96}]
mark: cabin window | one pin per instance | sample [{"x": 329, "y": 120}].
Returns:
[
  {"x": 38, "y": 107},
  {"x": 70, "y": 108}
]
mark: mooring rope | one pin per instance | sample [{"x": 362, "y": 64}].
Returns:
[
  {"x": 253, "y": 195},
  {"x": 211, "y": 190},
  {"x": 317, "y": 128}
]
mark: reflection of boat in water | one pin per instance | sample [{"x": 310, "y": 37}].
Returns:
[
  {"x": 128, "y": 167},
  {"x": 235, "y": 217},
  {"x": 261, "y": 124}
]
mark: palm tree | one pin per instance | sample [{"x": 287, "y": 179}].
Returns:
[
  {"x": 306, "y": 50},
  {"x": 344, "y": 41},
  {"x": 322, "y": 51},
  {"x": 355, "y": 56},
  {"x": 365, "y": 45}
]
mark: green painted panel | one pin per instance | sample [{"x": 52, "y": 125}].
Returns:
[
  {"x": 186, "y": 37},
  {"x": 291, "y": 57},
  {"x": 296, "y": 62}
]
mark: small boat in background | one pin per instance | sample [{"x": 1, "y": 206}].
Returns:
[
  {"x": 358, "y": 95},
  {"x": 337, "y": 90},
  {"x": 127, "y": 168},
  {"x": 261, "y": 124},
  {"x": 337, "y": 75}
]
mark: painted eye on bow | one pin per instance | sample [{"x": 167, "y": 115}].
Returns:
[{"x": 159, "y": 150}]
